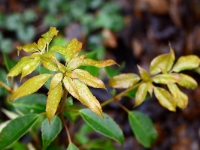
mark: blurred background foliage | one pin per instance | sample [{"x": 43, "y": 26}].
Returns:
[{"x": 130, "y": 32}]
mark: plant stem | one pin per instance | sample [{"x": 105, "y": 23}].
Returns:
[
  {"x": 123, "y": 107},
  {"x": 66, "y": 128},
  {"x": 6, "y": 87},
  {"x": 120, "y": 95}
]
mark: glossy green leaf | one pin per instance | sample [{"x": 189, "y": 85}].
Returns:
[
  {"x": 75, "y": 62},
  {"x": 72, "y": 49},
  {"x": 30, "y": 48},
  {"x": 179, "y": 96},
  {"x": 30, "y": 86},
  {"x": 162, "y": 63},
  {"x": 34, "y": 103},
  {"x": 166, "y": 78},
  {"x": 71, "y": 146},
  {"x": 142, "y": 127},
  {"x": 88, "y": 79},
  {"x": 41, "y": 44},
  {"x": 124, "y": 80},
  {"x": 16, "y": 129},
  {"x": 143, "y": 74},
  {"x": 98, "y": 64},
  {"x": 50, "y": 130},
  {"x": 87, "y": 98},
  {"x": 186, "y": 63},
  {"x": 53, "y": 100},
  {"x": 56, "y": 80},
  {"x": 105, "y": 126},
  {"x": 48, "y": 36},
  {"x": 141, "y": 94},
  {"x": 17, "y": 69},
  {"x": 187, "y": 81},
  {"x": 30, "y": 67},
  {"x": 165, "y": 98},
  {"x": 49, "y": 63}
]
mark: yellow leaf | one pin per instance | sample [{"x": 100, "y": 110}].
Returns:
[
  {"x": 165, "y": 98},
  {"x": 166, "y": 78},
  {"x": 41, "y": 44},
  {"x": 75, "y": 62},
  {"x": 181, "y": 98},
  {"x": 98, "y": 64},
  {"x": 143, "y": 74},
  {"x": 28, "y": 47},
  {"x": 48, "y": 36},
  {"x": 88, "y": 79},
  {"x": 53, "y": 100},
  {"x": 69, "y": 85},
  {"x": 49, "y": 63},
  {"x": 187, "y": 81},
  {"x": 56, "y": 80},
  {"x": 141, "y": 94},
  {"x": 124, "y": 80},
  {"x": 30, "y": 86}
]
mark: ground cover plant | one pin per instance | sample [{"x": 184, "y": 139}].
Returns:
[{"x": 68, "y": 81}]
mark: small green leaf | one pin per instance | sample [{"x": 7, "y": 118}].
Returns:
[
  {"x": 41, "y": 44},
  {"x": 34, "y": 103},
  {"x": 75, "y": 62},
  {"x": 53, "y": 100},
  {"x": 49, "y": 63},
  {"x": 87, "y": 98},
  {"x": 72, "y": 49},
  {"x": 162, "y": 63},
  {"x": 30, "y": 67},
  {"x": 30, "y": 48},
  {"x": 17, "y": 69},
  {"x": 105, "y": 126},
  {"x": 181, "y": 98},
  {"x": 48, "y": 36},
  {"x": 165, "y": 98},
  {"x": 16, "y": 129},
  {"x": 187, "y": 81},
  {"x": 141, "y": 94},
  {"x": 71, "y": 146},
  {"x": 124, "y": 80},
  {"x": 30, "y": 86},
  {"x": 186, "y": 63},
  {"x": 50, "y": 130},
  {"x": 88, "y": 79},
  {"x": 98, "y": 64},
  {"x": 143, "y": 74},
  {"x": 56, "y": 80},
  {"x": 166, "y": 78},
  {"x": 142, "y": 127}
]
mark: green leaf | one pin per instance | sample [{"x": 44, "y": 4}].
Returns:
[
  {"x": 165, "y": 98},
  {"x": 30, "y": 67},
  {"x": 166, "y": 78},
  {"x": 48, "y": 36},
  {"x": 98, "y": 64},
  {"x": 142, "y": 127},
  {"x": 41, "y": 44},
  {"x": 56, "y": 80},
  {"x": 72, "y": 49},
  {"x": 75, "y": 62},
  {"x": 16, "y": 129},
  {"x": 17, "y": 69},
  {"x": 71, "y": 146},
  {"x": 141, "y": 94},
  {"x": 59, "y": 49},
  {"x": 124, "y": 80},
  {"x": 143, "y": 74},
  {"x": 49, "y": 63},
  {"x": 50, "y": 130},
  {"x": 187, "y": 81},
  {"x": 162, "y": 63},
  {"x": 8, "y": 62},
  {"x": 105, "y": 126},
  {"x": 53, "y": 100},
  {"x": 179, "y": 96},
  {"x": 186, "y": 63},
  {"x": 87, "y": 98},
  {"x": 30, "y": 48},
  {"x": 88, "y": 79},
  {"x": 30, "y": 86},
  {"x": 34, "y": 103}
]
